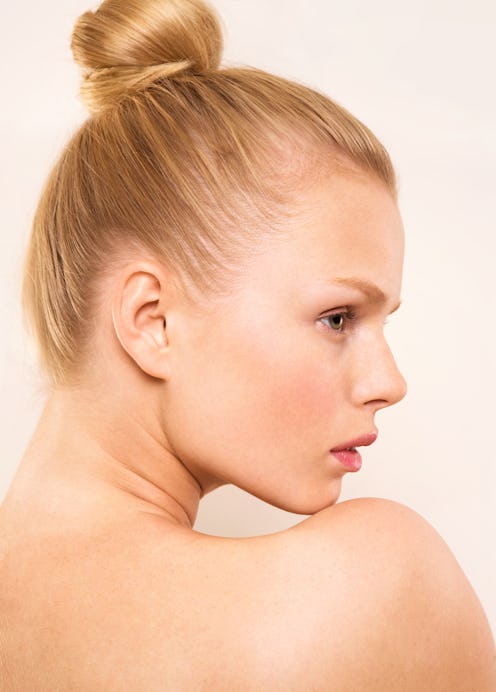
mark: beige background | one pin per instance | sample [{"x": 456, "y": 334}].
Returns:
[{"x": 421, "y": 75}]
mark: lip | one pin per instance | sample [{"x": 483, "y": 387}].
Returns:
[
  {"x": 348, "y": 455},
  {"x": 363, "y": 441}
]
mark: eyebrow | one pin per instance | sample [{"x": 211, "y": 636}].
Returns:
[{"x": 370, "y": 290}]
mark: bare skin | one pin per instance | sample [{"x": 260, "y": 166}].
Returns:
[{"x": 101, "y": 569}]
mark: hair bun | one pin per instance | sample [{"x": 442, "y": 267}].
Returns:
[{"x": 126, "y": 44}]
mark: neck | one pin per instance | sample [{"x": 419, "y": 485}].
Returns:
[{"x": 105, "y": 458}]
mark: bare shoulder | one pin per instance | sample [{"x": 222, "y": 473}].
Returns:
[{"x": 388, "y": 605}]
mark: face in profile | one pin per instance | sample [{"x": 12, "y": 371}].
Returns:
[{"x": 295, "y": 363}]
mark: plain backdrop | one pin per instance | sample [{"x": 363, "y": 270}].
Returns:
[{"x": 421, "y": 76}]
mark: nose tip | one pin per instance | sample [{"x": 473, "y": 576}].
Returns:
[
  {"x": 394, "y": 387},
  {"x": 391, "y": 393},
  {"x": 401, "y": 388},
  {"x": 381, "y": 384}
]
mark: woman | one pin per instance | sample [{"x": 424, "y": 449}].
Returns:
[{"x": 211, "y": 264}]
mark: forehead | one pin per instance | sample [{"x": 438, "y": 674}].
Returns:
[
  {"x": 345, "y": 224},
  {"x": 345, "y": 211},
  {"x": 337, "y": 227}
]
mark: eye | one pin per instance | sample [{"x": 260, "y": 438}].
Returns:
[{"x": 338, "y": 321}]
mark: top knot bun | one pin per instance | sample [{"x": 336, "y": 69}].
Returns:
[{"x": 126, "y": 44}]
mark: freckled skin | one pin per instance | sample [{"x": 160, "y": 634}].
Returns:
[{"x": 268, "y": 390}]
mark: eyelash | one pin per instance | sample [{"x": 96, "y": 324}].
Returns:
[{"x": 348, "y": 315}]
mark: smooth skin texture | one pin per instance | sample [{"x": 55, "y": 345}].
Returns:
[{"x": 100, "y": 567}]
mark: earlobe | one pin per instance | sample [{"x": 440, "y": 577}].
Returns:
[{"x": 139, "y": 321}]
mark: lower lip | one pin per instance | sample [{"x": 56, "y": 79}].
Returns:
[{"x": 350, "y": 459}]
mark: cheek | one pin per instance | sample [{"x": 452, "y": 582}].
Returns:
[
  {"x": 238, "y": 404},
  {"x": 301, "y": 392},
  {"x": 281, "y": 389}
]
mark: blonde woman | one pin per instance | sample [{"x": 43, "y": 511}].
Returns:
[{"x": 211, "y": 263}]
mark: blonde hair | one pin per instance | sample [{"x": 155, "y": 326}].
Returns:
[{"x": 181, "y": 158}]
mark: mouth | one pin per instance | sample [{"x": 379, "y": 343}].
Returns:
[{"x": 348, "y": 455}]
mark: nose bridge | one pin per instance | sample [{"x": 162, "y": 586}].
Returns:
[{"x": 378, "y": 378}]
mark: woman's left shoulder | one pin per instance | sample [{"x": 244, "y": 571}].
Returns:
[
  {"x": 382, "y": 526},
  {"x": 378, "y": 541},
  {"x": 373, "y": 576}
]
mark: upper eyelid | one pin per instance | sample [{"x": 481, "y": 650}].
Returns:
[
  {"x": 356, "y": 310},
  {"x": 337, "y": 311}
]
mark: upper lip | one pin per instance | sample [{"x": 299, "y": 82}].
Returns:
[{"x": 362, "y": 441}]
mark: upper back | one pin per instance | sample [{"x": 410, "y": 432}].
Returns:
[{"x": 364, "y": 595}]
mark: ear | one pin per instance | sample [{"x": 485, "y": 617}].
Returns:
[{"x": 138, "y": 315}]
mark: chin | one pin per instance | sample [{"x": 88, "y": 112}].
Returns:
[{"x": 310, "y": 502}]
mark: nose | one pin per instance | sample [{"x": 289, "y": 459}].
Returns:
[{"x": 377, "y": 379}]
